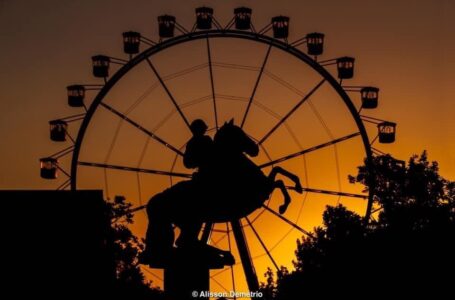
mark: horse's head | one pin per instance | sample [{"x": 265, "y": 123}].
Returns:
[{"x": 231, "y": 138}]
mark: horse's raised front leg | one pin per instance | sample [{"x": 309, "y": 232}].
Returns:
[
  {"x": 287, "y": 199},
  {"x": 278, "y": 170}
]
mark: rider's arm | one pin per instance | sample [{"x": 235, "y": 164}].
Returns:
[{"x": 188, "y": 157}]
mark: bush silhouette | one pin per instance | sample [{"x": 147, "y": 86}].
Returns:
[
  {"x": 407, "y": 249},
  {"x": 130, "y": 282}
]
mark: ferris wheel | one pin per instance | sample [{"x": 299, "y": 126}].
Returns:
[{"x": 297, "y": 108}]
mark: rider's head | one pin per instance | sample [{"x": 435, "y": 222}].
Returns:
[{"x": 198, "y": 127}]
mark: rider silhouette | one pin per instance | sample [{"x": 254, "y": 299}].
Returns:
[
  {"x": 160, "y": 237},
  {"x": 199, "y": 150},
  {"x": 198, "y": 154}
]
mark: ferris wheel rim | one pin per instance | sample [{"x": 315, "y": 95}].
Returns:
[{"x": 221, "y": 33}]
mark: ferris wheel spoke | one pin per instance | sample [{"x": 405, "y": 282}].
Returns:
[
  {"x": 212, "y": 85},
  {"x": 153, "y": 274},
  {"x": 160, "y": 79},
  {"x": 308, "y": 150},
  {"x": 263, "y": 245},
  {"x": 231, "y": 267},
  {"x": 266, "y": 58},
  {"x": 293, "y": 110},
  {"x": 64, "y": 185},
  {"x": 245, "y": 257},
  {"x": 288, "y": 221},
  {"x": 219, "y": 284},
  {"x": 217, "y": 242},
  {"x": 207, "y": 232},
  {"x": 328, "y": 192},
  {"x": 146, "y": 131},
  {"x": 132, "y": 169}
]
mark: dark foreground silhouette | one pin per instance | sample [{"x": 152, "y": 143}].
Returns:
[
  {"x": 407, "y": 251},
  {"x": 227, "y": 186},
  {"x": 69, "y": 244}
]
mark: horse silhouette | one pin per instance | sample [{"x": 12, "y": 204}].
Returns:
[{"x": 233, "y": 188}]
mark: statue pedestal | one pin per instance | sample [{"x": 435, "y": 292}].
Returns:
[
  {"x": 187, "y": 275},
  {"x": 180, "y": 282}
]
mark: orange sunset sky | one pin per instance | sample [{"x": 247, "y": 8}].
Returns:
[{"x": 406, "y": 48}]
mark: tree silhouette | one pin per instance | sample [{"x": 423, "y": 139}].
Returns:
[
  {"x": 407, "y": 249},
  {"x": 130, "y": 282}
]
